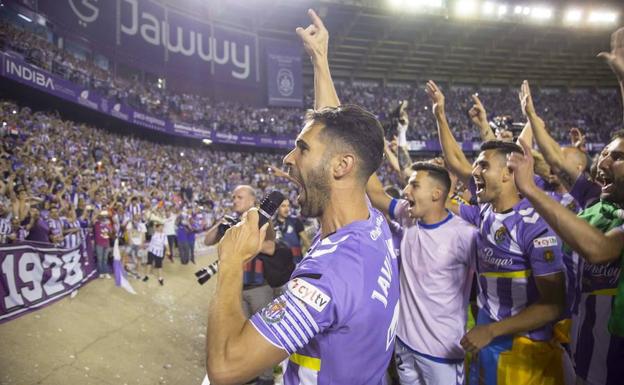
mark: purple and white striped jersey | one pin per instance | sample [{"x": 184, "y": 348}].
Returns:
[
  {"x": 72, "y": 240},
  {"x": 513, "y": 248},
  {"x": 56, "y": 226},
  {"x": 338, "y": 317},
  {"x": 5, "y": 228}
]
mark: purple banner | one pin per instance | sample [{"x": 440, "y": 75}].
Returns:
[
  {"x": 34, "y": 275},
  {"x": 156, "y": 38},
  {"x": 13, "y": 67},
  {"x": 284, "y": 79}
]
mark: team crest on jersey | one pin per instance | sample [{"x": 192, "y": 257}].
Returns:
[
  {"x": 500, "y": 234},
  {"x": 549, "y": 256},
  {"x": 274, "y": 311}
]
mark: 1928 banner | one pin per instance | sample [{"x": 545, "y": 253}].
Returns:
[{"x": 34, "y": 275}]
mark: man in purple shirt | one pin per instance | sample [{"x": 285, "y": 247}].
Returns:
[
  {"x": 38, "y": 229},
  {"x": 337, "y": 319}
]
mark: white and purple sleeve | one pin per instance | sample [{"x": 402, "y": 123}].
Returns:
[
  {"x": 294, "y": 318},
  {"x": 399, "y": 210},
  {"x": 470, "y": 214}
]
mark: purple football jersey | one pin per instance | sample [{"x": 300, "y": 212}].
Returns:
[
  {"x": 338, "y": 317},
  {"x": 585, "y": 192},
  {"x": 513, "y": 247}
]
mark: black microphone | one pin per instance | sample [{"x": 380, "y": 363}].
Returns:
[{"x": 267, "y": 209}]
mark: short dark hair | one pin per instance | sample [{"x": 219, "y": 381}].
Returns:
[
  {"x": 619, "y": 134},
  {"x": 440, "y": 174},
  {"x": 355, "y": 127},
  {"x": 501, "y": 146}
]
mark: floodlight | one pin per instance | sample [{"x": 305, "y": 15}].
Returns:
[
  {"x": 502, "y": 10},
  {"x": 517, "y": 9},
  {"x": 573, "y": 15},
  {"x": 396, "y": 3},
  {"x": 182, "y": 154},
  {"x": 465, "y": 8},
  {"x": 602, "y": 17},
  {"x": 207, "y": 141},
  {"x": 526, "y": 11},
  {"x": 541, "y": 13},
  {"x": 488, "y": 8},
  {"x": 434, "y": 3}
]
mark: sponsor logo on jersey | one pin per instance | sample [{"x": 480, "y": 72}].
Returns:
[
  {"x": 549, "y": 256},
  {"x": 309, "y": 294},
  {"x": 540, "y": 243}
]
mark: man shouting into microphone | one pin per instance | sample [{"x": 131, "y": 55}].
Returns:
[{"x": 337, "y": 318}]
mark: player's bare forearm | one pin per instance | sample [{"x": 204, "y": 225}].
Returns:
[
  {"x": 486, "y": 134},
  {"x": 405, "y": 161},
  {"x": 378, "y": 197},
  {"x": 324, "y": 91},
  {"x": 585, "y": 239},
  {"x": 551, "y": 151},
  {"x": 527, "y": 133},
  {"x": 453, "y": 155},
  {"x": 225, "y": 318},
  {"x": 392, "y": 159},
  {"x": 547, "y": 309}
]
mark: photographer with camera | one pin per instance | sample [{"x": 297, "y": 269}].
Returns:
[{"x": 256, "y": 291}]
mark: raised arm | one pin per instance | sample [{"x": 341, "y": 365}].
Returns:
[
  {"x": 548, "y": 146},
  {"x": 548, "y": 308},
  {"x": 588, "y": 241},
  {"x": 391, "y": 157},
  {"x": 315, "y": 40},
  {"x": 378, "y": 197},
  {"x": 453, "y": 154},
  {"x": 229, "y": 360},
  {"x": 615, "y": 58},
  {"x": 479, "y": 118}
]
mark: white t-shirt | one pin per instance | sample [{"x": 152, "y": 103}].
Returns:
[
  {"x": 157, "y": 244},
  {"x": 169, "y": 227},
  {"x": 437, "y": 266},
  {"x": 136, "y": 232}
]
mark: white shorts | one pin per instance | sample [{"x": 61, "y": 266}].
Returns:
[{"x": 417, "y": 369}]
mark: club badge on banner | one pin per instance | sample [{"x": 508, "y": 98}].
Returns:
[{"x": 35, "y": 275}]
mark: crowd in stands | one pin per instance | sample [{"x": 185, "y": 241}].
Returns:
[{"x": 566, "y": 108}]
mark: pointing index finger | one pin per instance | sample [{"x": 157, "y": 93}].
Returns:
[
  {"x": 476, "y": 100},
  {"x": 316, "y": 20}
]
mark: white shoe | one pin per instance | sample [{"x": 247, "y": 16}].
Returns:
[{"x": 108, "y": 276}]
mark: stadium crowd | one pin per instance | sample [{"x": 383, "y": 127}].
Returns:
[
  {"x": 548, "y": 290},
  {"x": 562, "y": 109}
]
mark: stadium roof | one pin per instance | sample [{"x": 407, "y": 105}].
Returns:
[{"x": 370, "y": 40}]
